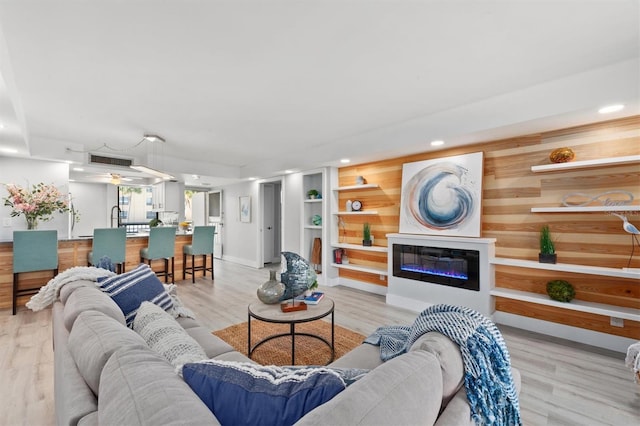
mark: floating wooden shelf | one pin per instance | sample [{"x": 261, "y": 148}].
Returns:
[
  {"x": 575, "y": 305},
  {"x": 364, "y": 212},
  {"x": 568, "y": 267},
  {"x": 312, "y": 227},
  {"x": 574, "y": 165},
  {"x": 585, "y": 209},
  {"x": 352, "y": 187},
  {"x": 360, "y": 268},
  {"x": 315, "y": 200},
  {"x": 379, "y": 249}
]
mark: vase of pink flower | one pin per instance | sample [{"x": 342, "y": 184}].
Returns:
[{"x": 36, "y": 204}]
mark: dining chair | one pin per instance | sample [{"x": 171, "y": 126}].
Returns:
[
  {"x": 33, "y": 251},
  {"x": 201, "y": 244},
  {"x": 162, "y": 240},
  {"x": 110, "y": 242}
]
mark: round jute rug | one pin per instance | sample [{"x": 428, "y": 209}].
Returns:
[{"x": 309, "y": 351}]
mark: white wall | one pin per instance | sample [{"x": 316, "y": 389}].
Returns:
[
  {"x": 25, "y": 172},
  {"x": 240, "y": 240},
  {"x": 91, "y": 200},
  {"x": 291, "y": 212}
]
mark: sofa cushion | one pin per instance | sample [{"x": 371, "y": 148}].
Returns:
[
  {"x": 448, "y": 354},
  {"x": 164, "y": 335},
  {"x": 132, "y": 288},
  {"x": 405, "y": 390},
  {"x": 139, "y": 387},
  {"x": 86, "y": 299},
  {"x": 364, "y": 356},
  {"x": 73, "y": 398},
  {"x": 93, "y": 339},
  {"x": 250, "y": 394},
  {"x": 213, "y": 345},
  {"x": 69, "y": 288}
]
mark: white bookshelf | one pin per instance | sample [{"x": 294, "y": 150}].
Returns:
[
  {"x": 568, "y": 267},
  {"x": 360, "y": 268},
  {"x": 378, "y": 249},
  {"x": 586, "y": 164}
]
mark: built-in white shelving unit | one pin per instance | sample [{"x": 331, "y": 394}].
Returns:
[{"x": 575, "y": 165}]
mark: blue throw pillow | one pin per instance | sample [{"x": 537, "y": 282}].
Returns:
[
  {"x": 249, "y": 394},
  {"x": 132, "y": 288}
]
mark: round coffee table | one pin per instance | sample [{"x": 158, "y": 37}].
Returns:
[{"x": 273, "y": 314}]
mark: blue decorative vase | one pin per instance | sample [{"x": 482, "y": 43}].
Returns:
[{"x": 298, "y": 277}]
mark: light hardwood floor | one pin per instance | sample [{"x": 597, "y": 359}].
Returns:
[{"x": 563, "y": 383}]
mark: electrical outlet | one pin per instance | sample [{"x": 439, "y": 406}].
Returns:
[
  {"x": 6, "y": 222},
  {"x": 617, "y": 322}
]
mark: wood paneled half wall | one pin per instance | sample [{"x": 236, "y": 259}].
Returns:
[{"x": 586, "y": 239}]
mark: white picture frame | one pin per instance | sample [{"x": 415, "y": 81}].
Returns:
[{"x": 244, "y": 205}]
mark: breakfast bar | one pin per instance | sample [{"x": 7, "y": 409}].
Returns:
[{"x": 73, "y": 252}]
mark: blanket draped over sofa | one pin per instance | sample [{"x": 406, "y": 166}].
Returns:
[{"x": 489, "y": 385}]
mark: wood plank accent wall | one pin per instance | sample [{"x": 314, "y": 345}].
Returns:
[
  {"x": 74, "y": 253},
  {"x": 510, "y": 190}
]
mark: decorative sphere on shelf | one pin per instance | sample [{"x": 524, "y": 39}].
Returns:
[{"x": 562, "y": 155}]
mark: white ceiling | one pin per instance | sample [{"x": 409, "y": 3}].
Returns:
[{"x": 251, "y": 88}]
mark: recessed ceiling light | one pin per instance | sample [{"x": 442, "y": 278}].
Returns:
[
  {"x": 9, "y": 150},
  {"x": 345, "y": 161},
  {"x": 611, "y": 108},
  {"x": 437, "y": 143},
  {"x": 1, "y": 126},
  {"x": 253, "y": 178},
  {"x": 288, "y": 171},
  {"x": 195, "y": 177},
  {"x": 78, "y": 169}
]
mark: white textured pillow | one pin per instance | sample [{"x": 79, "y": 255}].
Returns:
[{"x": 164, "y": 335}]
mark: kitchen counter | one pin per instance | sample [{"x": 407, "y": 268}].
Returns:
[{"x": 73, "y": 252}]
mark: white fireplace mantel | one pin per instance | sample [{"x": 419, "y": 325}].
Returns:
[{"x": 419, "y": 295}]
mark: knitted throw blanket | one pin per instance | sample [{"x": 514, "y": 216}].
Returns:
[
  {"x": 489, "y": 385},
  {"x": 49, "y": 292}
]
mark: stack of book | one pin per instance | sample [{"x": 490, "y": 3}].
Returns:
[{"x": 313, "y": 299}]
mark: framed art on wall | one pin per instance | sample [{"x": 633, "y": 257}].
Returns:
[
  {"x": 245, "y": 209},
  {"x": 442, "y": 196}
]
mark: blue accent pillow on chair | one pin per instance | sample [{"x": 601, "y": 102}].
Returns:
[
  {"x": 132, "y": 288},
  {"x": 249, "y": 394}
]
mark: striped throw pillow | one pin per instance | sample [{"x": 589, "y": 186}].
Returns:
[{"x": 132, "y": 288}]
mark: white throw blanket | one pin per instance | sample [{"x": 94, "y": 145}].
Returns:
[{"x": 49, "y": 293}]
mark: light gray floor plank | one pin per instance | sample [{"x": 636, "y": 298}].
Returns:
[{"x": 563, "y": 383}]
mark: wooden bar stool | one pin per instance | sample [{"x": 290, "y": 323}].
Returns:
[
  {"x": 201, "y": 244},
  {"x": 110, "y": 242},
  {"x": 33, "y": 251},
  {"x": 162, "y": 241}
]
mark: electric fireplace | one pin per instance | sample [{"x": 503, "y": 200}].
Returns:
[
  {"x": 425, "y": 270},
  {"x": 438, "y": 265}
]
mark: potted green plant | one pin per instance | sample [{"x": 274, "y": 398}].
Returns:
[
  {"x": 547, "y": 247},
  {"x": 312, "y": 193},
  {"x": 366, "y": 234}
]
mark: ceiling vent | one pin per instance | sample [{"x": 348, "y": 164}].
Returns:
[{"x": 109, "y": 161}]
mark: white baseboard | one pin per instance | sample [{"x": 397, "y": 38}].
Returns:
[{"x": 575, "y": 334}]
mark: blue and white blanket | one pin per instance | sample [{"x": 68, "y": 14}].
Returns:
[{"x": 490, "y": 389}]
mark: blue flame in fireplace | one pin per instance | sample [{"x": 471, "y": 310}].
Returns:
[{"x": 432, "y": 271}]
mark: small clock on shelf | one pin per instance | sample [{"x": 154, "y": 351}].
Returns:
[{"x": 356, "y": 205}]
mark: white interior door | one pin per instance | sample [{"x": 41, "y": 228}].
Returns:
[{"x": 198, "y": 209}]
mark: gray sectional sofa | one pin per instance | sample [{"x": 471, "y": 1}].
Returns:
[{"x": 106, "y": 374}]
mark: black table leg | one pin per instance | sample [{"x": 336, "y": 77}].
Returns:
[{"x": 293, "y": 344}]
